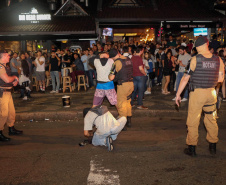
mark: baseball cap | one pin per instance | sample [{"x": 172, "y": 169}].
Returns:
[
  {"x": 113, "y": 53},
  {"x": 200, "y": 41}
]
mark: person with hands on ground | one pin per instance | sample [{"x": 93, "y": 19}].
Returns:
[
  {"x": 206, "y": 70},
  {"x": 7, "y": 110},
  {"x": 107, "y": 127}
]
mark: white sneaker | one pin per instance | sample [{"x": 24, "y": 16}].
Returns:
[
  {"x": 184, "y": 99},
  {"x": 57, "y": 92},
  {"x": 147, "y": 92},
  {"x": 174, "y": 99},
  {"x": 52, "y": 91},
  {"x": 25, "y": 98}
]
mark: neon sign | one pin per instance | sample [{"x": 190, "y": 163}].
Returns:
[{"x": 34, "y": 16}]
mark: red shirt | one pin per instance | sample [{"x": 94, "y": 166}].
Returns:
[{"x": 137, "y": 61}]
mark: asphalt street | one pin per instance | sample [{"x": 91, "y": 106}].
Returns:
[{"x": 149, "y": 153}]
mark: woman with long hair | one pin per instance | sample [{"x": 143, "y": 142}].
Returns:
[
  {"x": 24, "y": 79},
  {"x": 167, "y": 71}
]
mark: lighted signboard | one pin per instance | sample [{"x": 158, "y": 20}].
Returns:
[
  {"x": 200, "y": 31},
  {"x": 34, "y": 16}
]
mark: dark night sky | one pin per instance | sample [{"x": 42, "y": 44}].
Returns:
[{"x": 92, "y": 3}]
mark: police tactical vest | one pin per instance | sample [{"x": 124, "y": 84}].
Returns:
[
  {"x": 8, "y": 72},
  {"x": 126, "y": 73},
  {"x": 206, "y": 73}
]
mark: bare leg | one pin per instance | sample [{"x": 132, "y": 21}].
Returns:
[
  {"x": 166, "y": 84},
  {"x": 223, "y": 89}
]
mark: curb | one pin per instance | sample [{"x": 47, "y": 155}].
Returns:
[{"x": 73, "y": 115}]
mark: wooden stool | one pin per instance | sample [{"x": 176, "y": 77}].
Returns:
[
  {"x": 48, "y": 78},
  {"x": 35, "y": 83},
  {"x": 67, "y": 83},
  {"x": 67, "y": 68},
  {"x": 79, "y": 82}
]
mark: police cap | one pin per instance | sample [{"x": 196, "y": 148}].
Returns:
[{"x": 200, "y": 41}]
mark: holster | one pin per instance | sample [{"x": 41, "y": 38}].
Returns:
[
  {"x": 218, "y": 104},
  {"x": 191, "y": 87}
]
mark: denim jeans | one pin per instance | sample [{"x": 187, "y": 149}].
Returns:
[
  {"x": 55, "y": 74},
  {"x": 100, "y": 140},
  {"x": 90, "y": 77},
  {"x": 22, "y": 92},
  {"x": 139, "y": 85},
  {"x": 179, "y": 77}
]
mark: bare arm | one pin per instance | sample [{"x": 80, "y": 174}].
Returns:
[
  {"x": 40, "y": 62},
  {"x": 8, "y": 79},
  {"x": 49, "y": 67},
  {"x": 142, "y": 70},
  {"x": 182, "y": 85},
  {"x": 221, "y": 71},
  {"x": 88, "y": 133},
  {"x": 58, "y": 60},
  {"x": 221, "y": 77}
]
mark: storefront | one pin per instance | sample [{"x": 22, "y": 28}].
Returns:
[
  {"x": 161, "y": 18},
  {"x": 31, "y": 26}
]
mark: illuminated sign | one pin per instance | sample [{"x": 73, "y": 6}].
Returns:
[{"x": 34, "y": 16}]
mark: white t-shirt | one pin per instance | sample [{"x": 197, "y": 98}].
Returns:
[
  {"x": 40, "y": 68},
  {"x": 103, "y": 123},
  {"x": 145, "y": 62},
  {"x": 103, "y": 71},
  {"x": 127, "y": 55}
]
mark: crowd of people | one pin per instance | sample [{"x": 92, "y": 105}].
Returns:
[
  {"x": 125, "y": 73},
  {"x": 155, "y": 64}
]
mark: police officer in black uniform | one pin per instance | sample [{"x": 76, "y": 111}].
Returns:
[
  {"x": 7, "y": 110},
  {"x": 122, "y": 72}
]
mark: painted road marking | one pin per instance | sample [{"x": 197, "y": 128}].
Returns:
[{"x": 98, "y": 175}]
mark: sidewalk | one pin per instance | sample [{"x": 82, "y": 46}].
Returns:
[{"x": 49, "y": 106}]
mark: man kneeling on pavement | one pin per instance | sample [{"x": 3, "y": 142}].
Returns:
[{"x": 107, "y": 127}]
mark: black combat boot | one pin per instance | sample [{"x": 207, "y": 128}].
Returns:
[
  {"x": 213, "y": 148},
  {"x": 13, "y": 131},
  {"x": 3, "y": 138},
  {"x": 190, "y": 151},
  {"x": 128, "y": 123}
]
